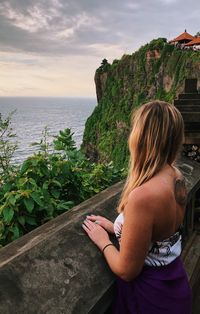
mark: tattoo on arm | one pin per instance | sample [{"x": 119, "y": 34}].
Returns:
[{"x": 180, "y": 191}]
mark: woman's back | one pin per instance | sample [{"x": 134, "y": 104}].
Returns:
[
  {"x": 170, "y": 194},
  {"x": 167, "y": 216}
]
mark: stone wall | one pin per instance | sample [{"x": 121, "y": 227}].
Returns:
[{"x": 56, "y": 268}]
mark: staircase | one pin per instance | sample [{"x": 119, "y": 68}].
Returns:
[{"x": 188, "y": 104}]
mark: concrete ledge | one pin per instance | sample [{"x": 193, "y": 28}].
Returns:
[{"x": 56, "y": 269}]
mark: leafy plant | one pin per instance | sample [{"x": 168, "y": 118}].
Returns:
[
  {"x": 49, "y": 183},
  {"x": 43, "y": 144},
  {"x": 64, "y": 141},
  {"x": 8, "y": 146}
]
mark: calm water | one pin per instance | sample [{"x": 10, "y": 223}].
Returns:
[{"x": 34, "y": 113}]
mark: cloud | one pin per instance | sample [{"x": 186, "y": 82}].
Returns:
[
  {"x": 168, "y": 1},
  {"x": 40, "y": 39},
  {"x": 19, "y": 58},
  {"x": 78, "y": 22},
  {"x": 69, "y": 27},
  {"x": 34, "y": 19},
  {"x": 36, "y": 28}
]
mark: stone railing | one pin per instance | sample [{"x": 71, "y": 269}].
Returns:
[{"x": 56, "y": 269}]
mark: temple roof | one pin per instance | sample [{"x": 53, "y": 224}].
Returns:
[
  {"x": 195, "y": 41},
  {"x": 183, "y": 36}
]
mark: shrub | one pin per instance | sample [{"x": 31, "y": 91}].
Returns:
[{"x": 49, "y": 183}]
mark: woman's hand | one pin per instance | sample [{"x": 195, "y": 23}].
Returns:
[
  {"x": 103, "y": 222},
  {"x": 96, "y": 233}
]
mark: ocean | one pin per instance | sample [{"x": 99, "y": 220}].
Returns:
[{"x": 33, "y": 114}]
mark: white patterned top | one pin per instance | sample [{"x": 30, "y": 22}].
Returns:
[{"x": 160, "y": 252}]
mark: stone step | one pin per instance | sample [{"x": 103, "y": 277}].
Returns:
[
  {"x": 192, "y": 133},
  {"x": 191, "y": 85},
  {"x": 188, "y": 108},
  {"x": 191, "y": 117},
  {"x": 189, "y": 96},
  {"x": 180, "y": 102},
  {"x": 192, "y": 126},
  {"x": 191, "y": 140}
]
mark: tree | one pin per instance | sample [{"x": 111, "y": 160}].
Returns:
[{"x": 104, "y": 62}]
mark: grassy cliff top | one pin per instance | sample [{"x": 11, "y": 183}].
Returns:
[{"x": 156, "y": 71}]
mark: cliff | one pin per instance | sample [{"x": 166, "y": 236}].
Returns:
[{"x": 156, "y": 71}]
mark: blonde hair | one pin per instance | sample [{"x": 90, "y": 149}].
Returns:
[{"x": 156, "y": 138}]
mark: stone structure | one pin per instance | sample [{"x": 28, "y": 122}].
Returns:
[
  {"x": 56, "y": 269},
  {"x": 195, "y": 43},
  {"x": 189, "y": 105}
]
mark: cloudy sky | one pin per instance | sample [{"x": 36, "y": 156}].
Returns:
[{"x": 53, "y": 47}]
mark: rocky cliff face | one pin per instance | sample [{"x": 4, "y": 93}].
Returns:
[{"x": 156, "y": 71}]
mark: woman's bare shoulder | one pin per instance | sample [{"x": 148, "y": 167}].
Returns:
[{"x": 149, "y": 195}]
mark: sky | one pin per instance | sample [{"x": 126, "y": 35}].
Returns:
[{"x": 53, "y": 47}]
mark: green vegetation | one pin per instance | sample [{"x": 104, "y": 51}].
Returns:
[
  {"x": 60, "y": 176},
  {"x": 156, "y": 71},
  {"x": 104, "y": 66},
  {"x": 8, "y": 146},
  {"x": 47, "y": 183}
]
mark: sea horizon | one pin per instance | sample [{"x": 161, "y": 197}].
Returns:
[
  {"x": 33, "y": 113},
  {"x": 76, "y": 97}
]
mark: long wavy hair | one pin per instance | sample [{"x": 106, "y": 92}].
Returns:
[{"x": 155, "y": 140}]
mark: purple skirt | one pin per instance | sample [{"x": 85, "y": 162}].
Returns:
[{"x": 157, "y": 290}]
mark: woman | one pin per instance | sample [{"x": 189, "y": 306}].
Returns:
[{"x": 151, "y": 277}]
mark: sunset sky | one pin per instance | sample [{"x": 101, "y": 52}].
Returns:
[{"x": 53, "y": 47}]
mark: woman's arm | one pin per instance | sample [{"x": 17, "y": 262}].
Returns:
[{"x": 135, "y": 240}]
